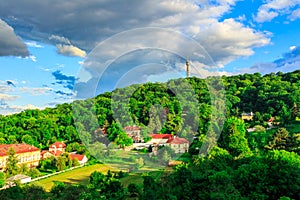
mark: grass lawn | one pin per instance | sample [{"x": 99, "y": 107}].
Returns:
[
  {"x": 76, "y": 176},
  {"x": 122, "y": 161}
]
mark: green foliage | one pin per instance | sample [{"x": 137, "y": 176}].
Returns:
[
  {"x": 133, "y": 190},
  {"x": 33, "y": 173},
  {"x": 229, "y": 171},
  {"x": 233, "y": 138},
  {"x": 259, "y": 129},
  {"x": 123, "y": 140},
  {"x": 11, "y": 163},
  {"x": 2, "y": 179},
  {"x": 107, "y": 186}
]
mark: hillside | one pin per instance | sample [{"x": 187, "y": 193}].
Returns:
[
  {"x": 264, "y": 164},
  {"x": 274, "y": 95}
]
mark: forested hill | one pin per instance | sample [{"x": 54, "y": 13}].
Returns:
[{"x": 276, "y": 95}]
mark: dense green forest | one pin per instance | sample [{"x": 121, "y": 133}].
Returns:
[
  {"x": 276, "y": 95},
  {"x": 264, "y": 164}
]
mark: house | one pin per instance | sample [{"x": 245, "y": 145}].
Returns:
[
  {"x": 82, "y": 159},
  {"x": 135, "y": 133},
  {"x": 25, "y": 153},
  {"x": 57, "y": 147},
  {"x": 179, "y": 145},
  {"x": 247, "y": 116}
]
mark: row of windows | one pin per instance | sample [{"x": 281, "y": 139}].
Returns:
[
  {"x": 178, "y": 145},
  {"x": 29, "y": 158},
  {"x": 23, "y": 159}
]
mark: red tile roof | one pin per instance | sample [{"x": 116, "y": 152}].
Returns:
[
  {"x": 56, "y": 153},
  {"x": 169, "y": 137},
  {"x": 78, "y": 156},
  {"x": 19, "y": 148},
  {"x": 178, "y": 140},
  {"x": 58, "y": 145}
]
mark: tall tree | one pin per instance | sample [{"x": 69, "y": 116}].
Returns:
[
  {"x": 233, "y": 137},
  {"x": 11, "y": 163}
]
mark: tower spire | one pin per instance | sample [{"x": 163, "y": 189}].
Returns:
[{"x": 187, "y": 63}]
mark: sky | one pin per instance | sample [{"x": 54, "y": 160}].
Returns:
[{"x": 54, "y": 51}]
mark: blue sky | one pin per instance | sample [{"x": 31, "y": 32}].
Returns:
[{"x": 52, "y": 52}]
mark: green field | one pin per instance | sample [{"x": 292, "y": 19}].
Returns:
[
  {"x": 76, "y": 176},
  {"x": 121, "y": 161}
]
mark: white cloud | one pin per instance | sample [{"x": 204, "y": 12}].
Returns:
[
  {"x": 70, "y": 50},
  {"x": 295, "y": 15},
  {"x": 265, "y": 15},
  {"x": 59, "y": 39},
  {"x": 228, "y": 40},
  {"x": 274, "y": 8},
  {"x": 102, "y": 19},
  {"x": 33, "y": 44},
  {"x": 292, "y": 48},
  {"x": 32, "y": 58}
]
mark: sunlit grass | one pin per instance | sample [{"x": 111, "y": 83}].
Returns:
[{"x": 76, "y": 176}]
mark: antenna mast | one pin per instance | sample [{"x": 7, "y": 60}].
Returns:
[{"x": 187, "y": 63}]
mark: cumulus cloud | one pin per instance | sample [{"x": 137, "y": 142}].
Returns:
[
  {"x": 77, "y": 29},
  {"x": 10, "y": 43},
  {"x": 70, "y": 50},
  {"x": 295, "y": 14},
  {"x": 85, "y": 26},
  {"x": 59, "y": 39},
  {"x": 274, "y": 8}
]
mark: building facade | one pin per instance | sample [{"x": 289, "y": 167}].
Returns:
[
  {"x": 25, "y": 153},
  {"x": 179, "y": 145}
]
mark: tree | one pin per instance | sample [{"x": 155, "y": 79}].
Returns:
[
  {"x": 11, "y": 163},
  {"x": 280, "y": 140},
  {"x": 233, "y": 138},
  {"x": 68, "y": 159},
  {"x": 123, "y": 140},
  {"x": 75, "y": 162},
  {"x": 60, "y": 163},
  {"x": 23, "y": 168},
  {"x": 27, "y": 139},
  {"x": 259, "y": 129},
  {"x": 33, "y": 173},
  {"x": 155, "y": 121}
]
